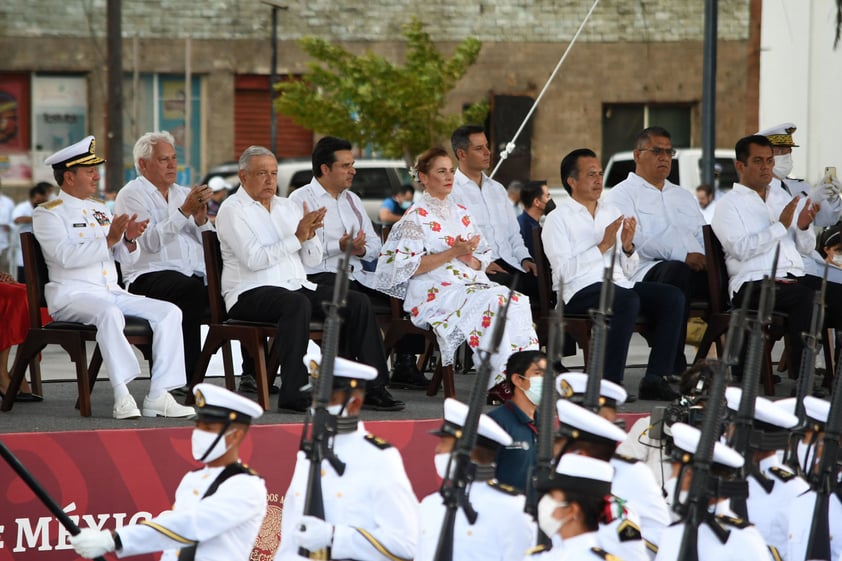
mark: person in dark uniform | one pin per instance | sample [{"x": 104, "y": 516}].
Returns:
[
  {"x": 218, "y": 509},
  {"x": 516, "y": 460}
]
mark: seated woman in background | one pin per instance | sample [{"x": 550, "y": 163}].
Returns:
[
  {"x": 435, "y": 260},
  {"x": 15, "y": 320}
]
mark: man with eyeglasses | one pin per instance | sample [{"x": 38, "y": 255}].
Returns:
[{"x": 669, "y": 226}]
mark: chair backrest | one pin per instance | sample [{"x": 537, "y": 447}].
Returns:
[
  {"x": 717, "y": 271},
  {"x": 545, "y": 278},
  {"x": 213, "y": 268},
  {"x": 36, "y": 275}
]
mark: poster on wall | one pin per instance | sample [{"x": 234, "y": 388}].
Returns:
[
  {"x": 173, "y": 99},
  {"x": 15, "y": 163},
  {"x": 59, "y": 111}
]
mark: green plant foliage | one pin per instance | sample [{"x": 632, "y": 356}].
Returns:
[{"x": 369, "y": 100}]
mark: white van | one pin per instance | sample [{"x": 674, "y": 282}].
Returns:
[{"x": 685, "y": 168}]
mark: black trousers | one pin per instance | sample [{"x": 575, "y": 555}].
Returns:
[
  {"x": 832, "y": 301},
  {"x": 190, "y": 295},
  {"x": 292, "y": 311},
  {"x": 793, "y": 299},
  {"x": 693, "y": 284},
  {"x": 361, "y": 340},
  {"x": 661, "y": 306}
]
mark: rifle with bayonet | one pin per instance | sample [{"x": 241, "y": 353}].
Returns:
[
  {"x": 599, "y": 335},
  {"x": 460, "y": 470},
  {"x": 705, "y": 486},
  {"x": 824, "y": 477},
  {"x": 741, "y": 440},
  {"x": 805, "y": 378},
  {"x": 544, "y": 468},
  {"x": 319, "y": 425}
]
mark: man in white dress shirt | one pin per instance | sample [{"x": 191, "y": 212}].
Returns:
[
  {"x": 80, "y": 240},
  {"x": 669, "y": 225},
  {"x": 172, "y": 265},
  {"x": 578, "y": 239},
  {"x": 751, "y": 221},
  {"x": 491, "y": 210},
  {"x": 346, "y": 222},
  {"x": 265, "y": 241},
  {"x": 7, "y": 206},
  {"x": 218, "y": 508}
]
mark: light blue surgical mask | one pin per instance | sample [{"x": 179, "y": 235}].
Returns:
[
  {"x": 536, "y": 386},
  {"x": 406, "y": 204}
]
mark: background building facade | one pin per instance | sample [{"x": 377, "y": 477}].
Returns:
[{"x": 638, "y": 62}]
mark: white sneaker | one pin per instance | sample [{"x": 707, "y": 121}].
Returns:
[
  {"x": 126, "y": 408},
  {"x": 165, "y": 406}
]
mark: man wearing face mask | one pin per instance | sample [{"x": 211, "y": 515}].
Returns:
[
  {"x": 502, "y": 530},
  {"x": 537, "y": 203},
  {"x": 371, "y": 512},
  {"x": 826, "y": 194},
  {"x": 516, "y": 460},
  {"x": 218, "y": 509}
]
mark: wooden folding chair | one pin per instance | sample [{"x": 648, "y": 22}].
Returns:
[
  {"x": 72, "y": 336},
  {"x": 720, "y": 311}
]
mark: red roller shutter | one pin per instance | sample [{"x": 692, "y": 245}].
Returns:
[{"x": 252, "y": 121}]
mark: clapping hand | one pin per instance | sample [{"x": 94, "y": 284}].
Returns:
[{"x": 309, "y": 223}]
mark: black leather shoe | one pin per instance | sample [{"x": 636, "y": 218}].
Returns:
[
  {"x": 183, "y": 391},
  {"x": 382, "y": 400},
  {"x": 657, "y": 390},
  {"x": 296, "y": 405},
  {"x": 405, "y": 375},
  {"x": 249, "y": 385}
]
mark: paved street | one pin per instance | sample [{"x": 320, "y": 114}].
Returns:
[{"x": 57, "y": 413}]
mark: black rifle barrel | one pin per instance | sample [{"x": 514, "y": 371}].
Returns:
[
  {"x": 807, "y": 372},
  {"x": 744, "y": 420},
  {"x": 320, "y": 426},
  {"x": 599, "y": 335},
  {"x": 39, "y": 491},
  {"x": 454, "y": 487},
  {"x": 824, "y": 478}
]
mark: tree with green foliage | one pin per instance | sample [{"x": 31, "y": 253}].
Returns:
[{"x": 369, "y": 100}]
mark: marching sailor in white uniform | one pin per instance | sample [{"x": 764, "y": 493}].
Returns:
[{"x": 218, "y": 509}]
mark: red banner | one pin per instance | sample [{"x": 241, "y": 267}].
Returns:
[{"x": 112, "y": 478}]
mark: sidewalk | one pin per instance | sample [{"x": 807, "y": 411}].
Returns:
[{"x": 57, "y": 412}]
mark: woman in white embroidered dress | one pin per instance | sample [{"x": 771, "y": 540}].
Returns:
[{"x": 435, "y": 261}]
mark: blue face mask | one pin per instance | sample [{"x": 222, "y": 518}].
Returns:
[{"x": 406, "y": 204}]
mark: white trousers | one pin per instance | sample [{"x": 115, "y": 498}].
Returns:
[{"x": 106, "y": 311}]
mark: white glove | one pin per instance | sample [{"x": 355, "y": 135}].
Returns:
[
  {"x": 92, "y": 543},
  {"x": 314, "y": 533},
  {"x": 826, "y": 191}
]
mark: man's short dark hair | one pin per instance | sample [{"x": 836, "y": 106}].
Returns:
[
  {"x": 706, "y": 189},
  {"x": 520, "y": 362},
  {"x": 461, "y": 137},
  {"x": 43, "y": 188},
  {"x": 325, "y": 152},
  {"x": 646, "y": 135},
  {"x": 531, "y": 191},
  {"x": 403, "y": 188},
  {"x": 742, "y": 147},
  {"x": 570, "y": 165}
]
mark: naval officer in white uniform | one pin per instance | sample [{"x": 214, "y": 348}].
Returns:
[
  {"x": 81, "y": 240},
  {"x": 218, "y": 509}
]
